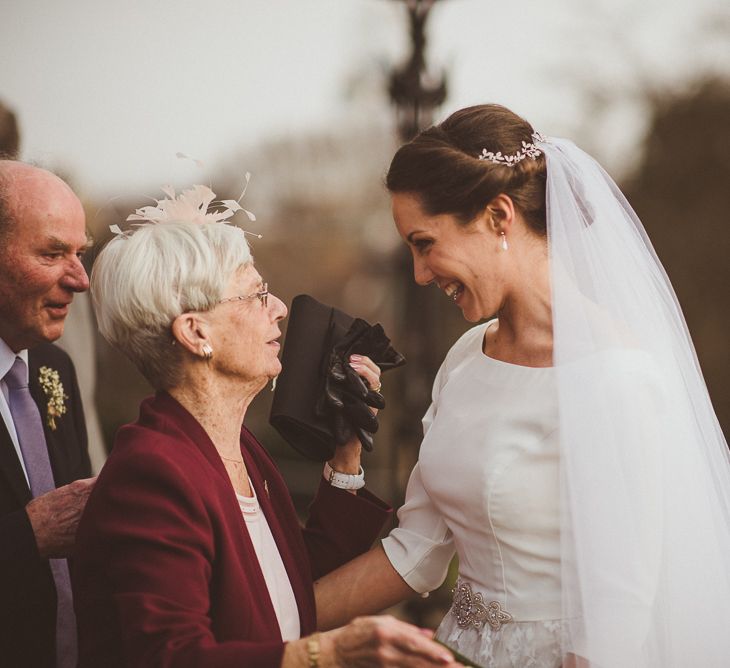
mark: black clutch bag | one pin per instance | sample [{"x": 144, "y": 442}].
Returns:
[{"x": 320, "y": 339}]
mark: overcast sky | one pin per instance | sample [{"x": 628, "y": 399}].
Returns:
[{"x": 110, "y": 91}]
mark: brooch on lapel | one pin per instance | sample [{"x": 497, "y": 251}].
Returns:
[{"x": 53, "y": 389}]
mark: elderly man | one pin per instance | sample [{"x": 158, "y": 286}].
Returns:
[{"x": 43, "y": 446}]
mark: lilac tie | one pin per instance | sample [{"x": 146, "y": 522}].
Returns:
[{"x": 29, "y": 427}]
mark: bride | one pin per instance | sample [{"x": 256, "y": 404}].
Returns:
[{"x": 571, "y": 455}]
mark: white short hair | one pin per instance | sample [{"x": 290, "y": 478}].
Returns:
[{"x": 141, "y": 281}]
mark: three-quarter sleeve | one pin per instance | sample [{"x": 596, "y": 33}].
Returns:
[{"x": 421, "y": 547}]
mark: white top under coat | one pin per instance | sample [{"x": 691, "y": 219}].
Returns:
[
  {"x": 275, "y": 575},
  {"x": 7, "y": 359}
]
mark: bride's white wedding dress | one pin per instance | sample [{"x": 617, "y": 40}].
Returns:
[{"x": 487, "y": 486}]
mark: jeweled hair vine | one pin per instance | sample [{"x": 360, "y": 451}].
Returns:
[
  {"x": 528, "y": 150},
  {"x": 458, "y": 166}
]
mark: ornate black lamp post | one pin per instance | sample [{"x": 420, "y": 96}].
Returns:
[
  {"x": 415, "y": 95},
  {"x": 424, "y": 321},
  {"x": 413, "y": 91}
]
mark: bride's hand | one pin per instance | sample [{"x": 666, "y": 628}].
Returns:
[{"x": 369, "y": 372}]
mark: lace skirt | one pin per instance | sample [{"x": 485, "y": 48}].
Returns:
[{"x": 514, "y": 645}]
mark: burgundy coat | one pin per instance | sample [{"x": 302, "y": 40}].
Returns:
[{"x": 165, "y": 572}]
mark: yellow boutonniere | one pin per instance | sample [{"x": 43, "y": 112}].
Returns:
[{"x": 53, "y": 389}]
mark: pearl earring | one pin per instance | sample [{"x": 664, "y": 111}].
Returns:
[{"x": 504, "y": 241}]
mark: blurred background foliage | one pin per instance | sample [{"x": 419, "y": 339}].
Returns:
[{"x": 325, "y": 216}]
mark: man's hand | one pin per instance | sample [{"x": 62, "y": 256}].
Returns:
[{"x": 55, "y": 516}]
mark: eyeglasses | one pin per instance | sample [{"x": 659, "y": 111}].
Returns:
[{"x": 262, "y": 295}]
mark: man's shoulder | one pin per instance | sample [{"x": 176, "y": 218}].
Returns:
[{"x": 49, "y": 354}]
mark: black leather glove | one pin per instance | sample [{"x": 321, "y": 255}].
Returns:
[{"x": 346, "y": 399}]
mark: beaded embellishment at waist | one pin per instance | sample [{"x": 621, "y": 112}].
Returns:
[{"x": 471, "y": 611}]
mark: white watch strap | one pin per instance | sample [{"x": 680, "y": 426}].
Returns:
[{"x": 343, "y": 480}]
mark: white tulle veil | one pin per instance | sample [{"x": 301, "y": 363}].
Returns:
[{"x": 645, "y": 473}]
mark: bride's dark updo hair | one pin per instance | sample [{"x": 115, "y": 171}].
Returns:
[{"x": 442, "y": 168}]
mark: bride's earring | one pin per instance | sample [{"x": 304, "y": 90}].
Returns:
[{"x": 504, "y": 241}]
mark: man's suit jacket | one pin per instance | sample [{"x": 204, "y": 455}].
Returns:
[
  {"x": 27, "y": 592},
  {"x": 165, "y": 572}
]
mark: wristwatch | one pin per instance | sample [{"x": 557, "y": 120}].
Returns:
[{"x": 343, "y": 480}]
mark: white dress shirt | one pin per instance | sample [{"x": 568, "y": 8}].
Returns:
[{"x": 7, "y": 359}]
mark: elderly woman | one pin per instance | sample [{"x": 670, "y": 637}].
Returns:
[{"x": 190, "y": 552}]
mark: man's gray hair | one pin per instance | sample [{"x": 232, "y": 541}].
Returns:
[{"x": 142, "y": 281}]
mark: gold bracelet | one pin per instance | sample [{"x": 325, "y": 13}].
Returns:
[{"x": 313, "y": 651}]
